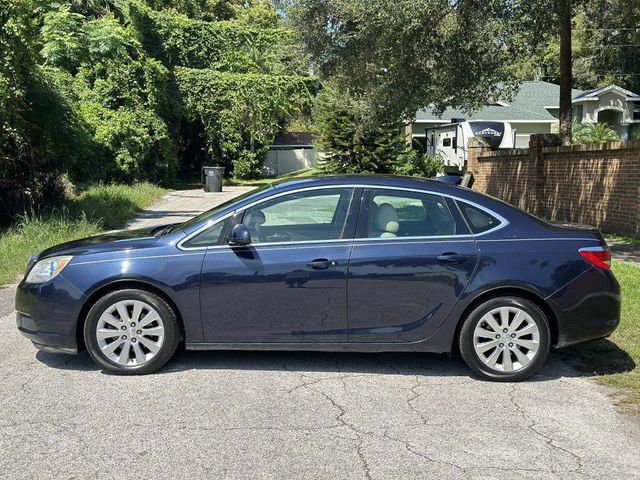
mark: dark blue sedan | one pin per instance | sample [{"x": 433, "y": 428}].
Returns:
[{"x": 351, "y": 263}]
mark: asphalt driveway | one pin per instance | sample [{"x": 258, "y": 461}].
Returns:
[{"x": 299, "y": 415}]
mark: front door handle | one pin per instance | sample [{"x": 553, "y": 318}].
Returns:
[
  {"x": 321, "y": 264},
  {"x": 450, "y": 257}
]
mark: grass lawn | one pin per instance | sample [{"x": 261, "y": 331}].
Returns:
[
  {"x": 266, "y": 181},
  {"x": 95, "y": 209},
  {"x": 634, "y": 242},
  {"x": 616, "y": 360}
]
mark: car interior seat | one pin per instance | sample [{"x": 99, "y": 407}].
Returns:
[{"x": 386, "y": 223}]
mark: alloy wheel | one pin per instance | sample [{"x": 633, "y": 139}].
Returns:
[
  {"x": 506, "y": 339},
  {"x": 130, "y": 333}
]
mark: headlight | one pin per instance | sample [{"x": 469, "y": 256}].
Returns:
[{"x": 47, "y": 269}]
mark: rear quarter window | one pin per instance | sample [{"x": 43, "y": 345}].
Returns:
[{"x": 478, "y": 220}]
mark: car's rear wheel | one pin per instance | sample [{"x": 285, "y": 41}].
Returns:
[
  {"x": 131, "y": 332},
  {"x": 505, "y": 339}
]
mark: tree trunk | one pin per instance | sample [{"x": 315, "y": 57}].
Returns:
[{"x": 564, "y": 14}]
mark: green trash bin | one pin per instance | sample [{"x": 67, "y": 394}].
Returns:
[{"x": 212, "y": 178}]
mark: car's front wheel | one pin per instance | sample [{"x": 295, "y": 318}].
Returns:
[
  {"x": 505, "y": 339},
  {"x": 131, "y": 332}
]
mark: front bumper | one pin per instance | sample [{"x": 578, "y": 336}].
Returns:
[
  {"x": 587, "y": 308},
  {"x": 47, "y": 314}
]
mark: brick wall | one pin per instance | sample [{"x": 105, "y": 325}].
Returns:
[{"x": 592, "y": 184}]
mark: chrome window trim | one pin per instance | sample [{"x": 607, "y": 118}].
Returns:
[
  {"x": 209, "y": 224},
  {"x": 503, "y": 221}
]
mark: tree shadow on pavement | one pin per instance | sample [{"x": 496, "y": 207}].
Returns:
[{"x": 596, "y": 358}]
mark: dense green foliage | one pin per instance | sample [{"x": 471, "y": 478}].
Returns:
[
  {"x": 241, "y": 113},
  {"x": 90, "y": 88},
  {"x": 116, "y": 90},
  {"x": 399, "y": 57},
  {"x": 593, "y": 133},
  {"x": 40, "y": 135},
  {"x": 100, "y": 207},
  {"x": 218, "y": 45}
]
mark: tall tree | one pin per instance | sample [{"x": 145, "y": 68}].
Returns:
[
  {"x": 564, "y": 20},
  {"x": 605, "y": 47},
  {"x": 397, "y": 57}
]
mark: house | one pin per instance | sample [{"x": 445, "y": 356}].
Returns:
[
  {"x": 617, "y": 107},
  {"x": 535, "y": 109}
]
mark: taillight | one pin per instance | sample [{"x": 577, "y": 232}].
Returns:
[{"x": 597, "y": 256}]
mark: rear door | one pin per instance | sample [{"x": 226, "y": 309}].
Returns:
[{"x": 412, "y": 258}]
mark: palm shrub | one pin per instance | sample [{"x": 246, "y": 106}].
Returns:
[{"x": 593, "y": 133}]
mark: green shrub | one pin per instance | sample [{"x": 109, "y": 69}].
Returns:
[
  {"x": 417, "y": 164},
  {"x": 593, "y": 133}
]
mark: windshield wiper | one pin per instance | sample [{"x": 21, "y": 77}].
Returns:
[{"x": 160, "y": 231}]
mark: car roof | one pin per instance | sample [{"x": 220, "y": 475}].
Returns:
[
  {"x": 397, "y": 181},
  {"x": 367, "y": 180}
]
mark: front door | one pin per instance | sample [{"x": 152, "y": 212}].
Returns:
[
  {"x": 410, "y": 263},
  {"x": 289, "y": 285}
]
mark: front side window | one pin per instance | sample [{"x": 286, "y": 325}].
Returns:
[
  {"x": 208, "y": 237},
  {"x": 301, "y": 216},
  {"x": 408, "y": 214}
]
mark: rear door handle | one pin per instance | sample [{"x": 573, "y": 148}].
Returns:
[
  {"x": 450, "y": 257},
  {"x": 321, "y": 264}
]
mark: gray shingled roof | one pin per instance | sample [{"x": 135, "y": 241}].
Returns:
[{"x": 528, "y": 104}]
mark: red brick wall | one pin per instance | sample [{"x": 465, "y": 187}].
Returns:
[{"x": 592, "y": 184}]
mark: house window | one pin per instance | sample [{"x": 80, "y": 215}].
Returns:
[
  {"x": 446, "y": 142},
  {"x": 577, "y": 113},
  {"x": 636, "y": 110}
]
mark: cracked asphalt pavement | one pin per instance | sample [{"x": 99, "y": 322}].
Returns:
[{"x": 302, "y": 415}]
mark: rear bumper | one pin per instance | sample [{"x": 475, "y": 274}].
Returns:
[
  {"x": 47, "y": 314},
  {"x": 587, "y": 308}
]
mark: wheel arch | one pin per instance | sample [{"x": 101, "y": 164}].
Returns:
[
  {"x": 514, "y": 292},
  {"x": 122, "y": 285}
]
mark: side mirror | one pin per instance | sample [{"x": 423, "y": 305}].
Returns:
[{"x": 240, "y": 236}]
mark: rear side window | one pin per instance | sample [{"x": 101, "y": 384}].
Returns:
[
  {"x": 478, "y": 220},
  {"x": 399, "y": 213}
]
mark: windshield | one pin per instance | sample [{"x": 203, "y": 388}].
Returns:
[{"x": 210, "y": 213}]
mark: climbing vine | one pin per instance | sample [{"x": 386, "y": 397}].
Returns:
[{"x": 241, "y": 113}]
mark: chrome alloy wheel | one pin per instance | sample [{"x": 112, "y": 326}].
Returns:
[
  {"x": 130, "y": 333},
  {"x": 506, "y": 339}
]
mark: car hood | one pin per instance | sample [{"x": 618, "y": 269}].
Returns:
[{"x": 110, "y": 241}]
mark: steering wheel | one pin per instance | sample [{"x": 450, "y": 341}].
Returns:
[{"x": 278, "y": 237}]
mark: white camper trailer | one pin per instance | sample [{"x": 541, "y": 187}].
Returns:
[{"x": 450, "y": 140}]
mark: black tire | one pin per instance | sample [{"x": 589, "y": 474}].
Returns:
[
  {"x": 472, "y": 359},
  {"x": 167, "y": 315}
]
